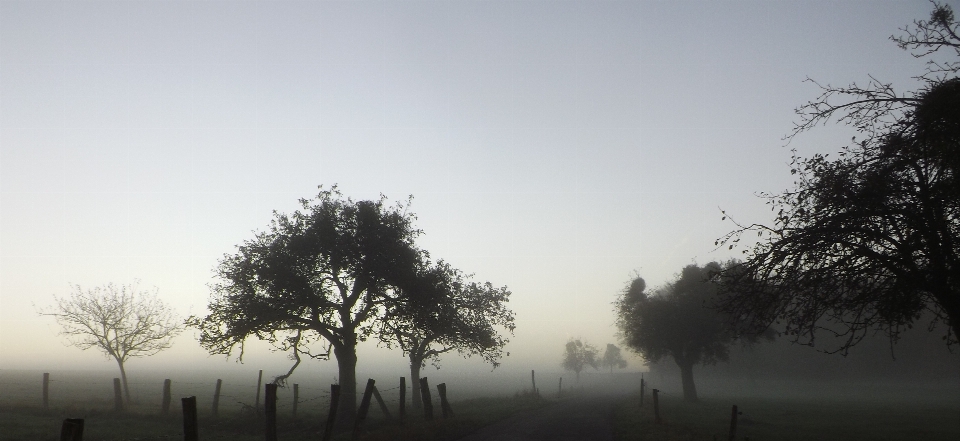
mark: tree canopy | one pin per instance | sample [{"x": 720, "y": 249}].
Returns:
[
  {"x": 123, "y": 322},
  {"x": 448, "y": 313},
  {"x": 870, "y": 240},
  {"x": 612, "y": 358},
  {"x": 676, "y": 320},
  {"x": 578, "y": 355},
  {"x": 323, "y": 274}
]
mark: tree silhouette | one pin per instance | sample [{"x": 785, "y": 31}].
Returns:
[
  {"x": 870, "y": 240},
  {"x": 578, "y": 355},
  {"x": 676, "y": 320},
  {"x": 613, "y": 358},
  {"x": 122, "y": 322},
  {"x": 326, "y": 273},
  {"x": 449, "y": 313}
]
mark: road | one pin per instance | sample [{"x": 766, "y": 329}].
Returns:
[{"x": 581, "y": 418}]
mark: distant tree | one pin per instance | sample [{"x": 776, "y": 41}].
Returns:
[
  {"x": 449, "y": 313},
  {"x": 870, "y": 240},
  {"x": 326, "y": 273},
  {"x": 676, "y": 320},
  {"x": 613, "y": 358},
  {"x": 122, "y": 322},
  {"x": 578, "y": 355}
]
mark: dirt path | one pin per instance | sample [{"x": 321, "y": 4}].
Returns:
[{"x": 584, "y": 418}]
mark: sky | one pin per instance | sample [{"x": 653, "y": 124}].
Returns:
[{"x": 559, "y": 148}]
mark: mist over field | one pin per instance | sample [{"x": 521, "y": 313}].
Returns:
[{"x": 491, "y": 188}]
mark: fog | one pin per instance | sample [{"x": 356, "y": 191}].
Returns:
[{"x": 556, "y": 148}]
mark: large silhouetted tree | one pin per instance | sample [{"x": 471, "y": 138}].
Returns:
[
  {"x": 871, "y": 239},
  {"x": 448, "y": 313},
  {"x": 676, "y": 320},
  {"x": 578, "y": 355},
  {"x": 122, "y": 322},
  {"x": 326, "y": 273}
]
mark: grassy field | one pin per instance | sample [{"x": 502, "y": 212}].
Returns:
[
  {"x": 142, "y": 423},
  {"x": 787, "y": 419}
]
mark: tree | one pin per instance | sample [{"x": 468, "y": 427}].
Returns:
[
  {"x": 449, "y": 313},
  {"x": 123, "y": 322},
  {"x": 612, "y": 358},
  {"x": 870, "y": 240},
  {"x": 579, "y": 355},
  {"x": 676, "y": 320},
  {"x": 325, "y": 273}
]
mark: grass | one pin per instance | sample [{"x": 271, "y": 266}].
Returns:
[
  {"x": 26, "y": 423},
  {"x": 786, "y": 420}
]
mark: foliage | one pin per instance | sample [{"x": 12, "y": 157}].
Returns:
[
  {"x": 613, "y": 358},
  {"x": 869, "y": 240},
  {"x": 122, "y": 322},
  {"x": 448, "y": 313},
  {"x": 326, "y": 273},
  {"x": 578, "y": 355},
  {"x": 676, "y": 320}
]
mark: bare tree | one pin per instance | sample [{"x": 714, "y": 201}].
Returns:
[{"x": 123, "y": 322}]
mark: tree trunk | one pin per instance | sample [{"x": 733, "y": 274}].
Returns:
[
  {"x": 123, "y": 377},
  {"x": 416, "y": 399},
  {"x": 347, "y": 365},
  {"x": 689, "y": 388}
]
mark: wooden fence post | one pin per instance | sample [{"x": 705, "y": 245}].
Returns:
[
  {"x": 403, "y": 398},
  {"x": 425, "y": 395},
  {"x": 332, "y": 414},
  {"x": 642, "y": 390},
  {"x": 117, "y": 396},
  {"x": 256, "y": 404},
  {"x": 533, "y": 379},
  {"x": 444, "y": 404},
  {"x": 560, "y": 387},
  {"x": 270, "y": 409},
  {"x": 362, "y": 412},
  {"x": 656, "y": 406},
  {"x": 296, "y": 398},
  {"x": 190, "y": 429},
  {"x": 216, "y": 398},
  {"x": 733, "y": 423},
  {"x": 72, "y": 429},
  {"x": 383, "y": 406},
  {"x": 46, "y": 391},
  {"x": 165, "y": 405}
]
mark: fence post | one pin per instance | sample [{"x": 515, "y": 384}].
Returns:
[
  {"x": 656, "y": 406},
  {"x": 733, "y": 423},
  {"x": 444, "y": 404},
  {"x": 190, "y": 431},
  {"x": 533, "y": 379},
  {"x": 425, "y": 394},
  {"x": 296, "y": 398},
  {"x": 403, "y": 398},
  {"x": 117, "y": 396},
  {"x": 560, "y": 387},
  {"x": 642, "y": 390},
  {"x": 270, "y": 409},
  {"x": 256, "y": 404},
  {"x": 216, "y": 398},
  {"x": 383, "y": 406},
  {"x": 165, "y": 406},
  {"x": 72, "y": 429},
  {"x": 332, "y": 414},
  {"x": 46, "y": 391},
  {"x": 362, "y": 412}
]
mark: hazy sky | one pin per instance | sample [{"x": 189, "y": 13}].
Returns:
[{"x": 557, "y": 148}]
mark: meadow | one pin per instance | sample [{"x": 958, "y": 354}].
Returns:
[{"x": 848, "y": 412}]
